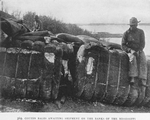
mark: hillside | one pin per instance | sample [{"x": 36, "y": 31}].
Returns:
[{"x": 6, "y": 15}]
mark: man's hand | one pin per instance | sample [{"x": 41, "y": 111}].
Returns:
[{"x": 132, "y": 51}]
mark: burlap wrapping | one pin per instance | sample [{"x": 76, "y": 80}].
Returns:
[{"x": 102, "y": 75}]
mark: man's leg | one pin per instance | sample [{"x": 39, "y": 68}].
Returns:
[
  {"x": 142, "y": 68},
  {"x": 133, "y": 69}
]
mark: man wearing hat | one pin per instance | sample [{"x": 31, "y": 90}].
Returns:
[
  {"x": 133, "y": 43},
  {"x": 38, "y": 26}
]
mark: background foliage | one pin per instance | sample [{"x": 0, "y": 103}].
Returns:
[
  {"x": 49, "y": 23},
  {"x": 54, "y": 25}
]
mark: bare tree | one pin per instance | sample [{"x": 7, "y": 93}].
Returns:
[
  {"x": 17, "y": 14},
  {"x": 1, "y": 5},
  {"x": 29, "y": 19}
]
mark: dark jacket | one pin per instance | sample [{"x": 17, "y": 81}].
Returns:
[
  {"x": 38, "y": 26},
  {"x": 134, "y": 40}
]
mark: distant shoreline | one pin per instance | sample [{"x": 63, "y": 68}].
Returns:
[
  {"x": 108, "y": 35},
  {"x": 80, "y": 24}
]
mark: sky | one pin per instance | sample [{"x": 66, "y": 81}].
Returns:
[{"x": 84, "y": 11}]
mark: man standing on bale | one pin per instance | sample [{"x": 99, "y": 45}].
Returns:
[
  {"x": 133, "y": 42},
  {"x": 38, "y": 26}
]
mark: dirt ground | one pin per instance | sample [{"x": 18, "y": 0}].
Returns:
[{"x": 70, "y": 105}]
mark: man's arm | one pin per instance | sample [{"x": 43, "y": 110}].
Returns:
[
  {"x": 124, "y": 43},
  {"x": 142, "y": 39}
]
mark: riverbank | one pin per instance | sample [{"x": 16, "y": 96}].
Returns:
[
  {"x": 75, "y": 106},
  {"x": 109, "y": 35}
]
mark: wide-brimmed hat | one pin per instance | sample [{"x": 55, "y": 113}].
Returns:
[{"x": 133, "y": 21}]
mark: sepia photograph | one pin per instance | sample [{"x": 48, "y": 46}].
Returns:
[{"x": 74, "y": 59}]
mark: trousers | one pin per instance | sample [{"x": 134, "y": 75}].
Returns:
[{"x": 138, "y": 65}]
